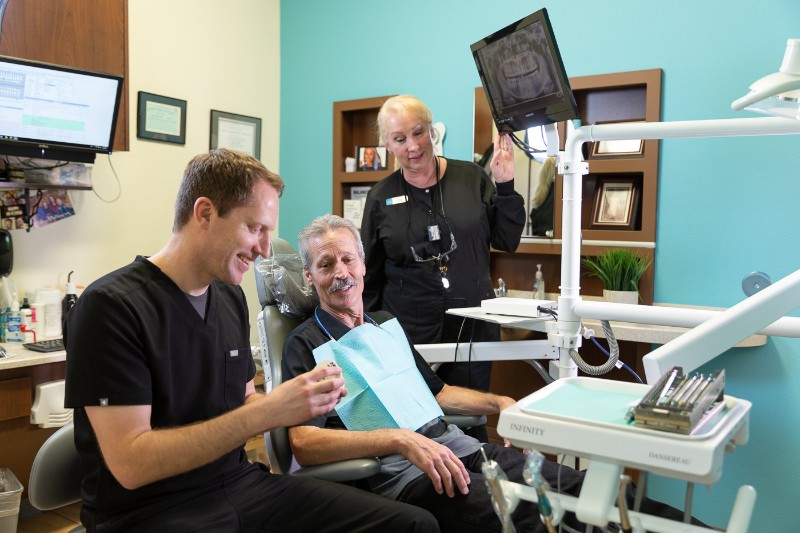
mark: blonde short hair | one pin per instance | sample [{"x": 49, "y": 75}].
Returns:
[{"x": 399, "y": 104}]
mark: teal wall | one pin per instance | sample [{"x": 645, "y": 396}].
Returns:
[{"x": 726, "y": 206}]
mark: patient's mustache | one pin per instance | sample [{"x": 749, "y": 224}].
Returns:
[{"x": 342, "y": 284}]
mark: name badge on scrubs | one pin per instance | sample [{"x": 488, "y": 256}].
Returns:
[
  {"x": 434, "y": 234},
  {"x": 397, "y": 200}
]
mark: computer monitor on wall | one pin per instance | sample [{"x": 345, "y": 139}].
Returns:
[
  {"x": 56, "y": 112},
  {"x": 521, "y": 70}
]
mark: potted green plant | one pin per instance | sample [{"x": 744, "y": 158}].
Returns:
[{"x": 620, "y": 270}]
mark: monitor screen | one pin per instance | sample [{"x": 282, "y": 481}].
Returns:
[
  {"x": 56, "y": 112},
  {"x": 523, "y": 76}
]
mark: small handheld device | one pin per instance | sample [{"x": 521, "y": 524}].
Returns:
[{"x": 326, "y": 363}]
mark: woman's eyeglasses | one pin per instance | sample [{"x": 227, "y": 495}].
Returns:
[{"x": 440, "y": 259}]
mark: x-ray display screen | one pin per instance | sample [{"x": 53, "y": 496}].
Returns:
[{"x": 523, "y": 75}]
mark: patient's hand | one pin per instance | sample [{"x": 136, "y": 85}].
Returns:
[{"x": 441, "y": 465}]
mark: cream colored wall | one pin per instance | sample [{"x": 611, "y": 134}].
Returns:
[{"x": 223, "y": 56}]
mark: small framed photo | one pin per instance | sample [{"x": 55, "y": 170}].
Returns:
[
  {"x": 161, "y": 118},
  {"x": 236, "y": 132},
  {"x": 371, "y": 157},
  {"x": 617, "y": 148},
  {"x": 616, "y": 203}
]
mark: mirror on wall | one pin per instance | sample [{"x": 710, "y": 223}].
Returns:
[{"x": 534, "y": 175}]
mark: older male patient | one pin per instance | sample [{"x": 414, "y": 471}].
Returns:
[{"x": 424, "y": 461}]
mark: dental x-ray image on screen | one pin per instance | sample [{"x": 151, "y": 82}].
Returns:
[
  {"x": 523, "y": 75},
  {"x": 521, "y": 68}
]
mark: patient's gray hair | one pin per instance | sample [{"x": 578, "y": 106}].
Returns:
[{"x": 322, "y": 225}]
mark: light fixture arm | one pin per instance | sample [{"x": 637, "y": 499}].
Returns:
[{"x": 714, "y": 339}]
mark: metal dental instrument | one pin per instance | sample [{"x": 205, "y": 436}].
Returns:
[
  {"x": 662, "y": 398},
  {"x": 624, "y": 521},
  {"x": 699, "y": 391},
  {"x": 493, "y": 474},
  {"x": 696, "y": 383},
  {"x": 685, "y": 386}
]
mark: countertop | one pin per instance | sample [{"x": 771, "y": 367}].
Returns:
[
  {"x": 19, "y": 357},
  {"x": 623, "y": 331}
]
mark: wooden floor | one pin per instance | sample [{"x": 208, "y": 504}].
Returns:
[{"x": 58, "y": 521}]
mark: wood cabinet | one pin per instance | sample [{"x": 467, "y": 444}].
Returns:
[
  {"x": 619, "y": 97},
  {"x": 19, "y": 439},
  {"x": 85, "y": 34},
  {"x": 354, "y": 125}
]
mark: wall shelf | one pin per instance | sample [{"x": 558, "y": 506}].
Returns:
[
  {"x": 42, "y": 186},
  {"x": 354, "y": 125}
]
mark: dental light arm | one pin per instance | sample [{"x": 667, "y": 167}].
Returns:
[{"x": 723, "y": 331}]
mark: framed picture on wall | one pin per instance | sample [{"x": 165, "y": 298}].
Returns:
[
  {"x": 160, "y": 118},
  {"x": 371, "y": 157},
  {"x": 617, "y": 148},
  {"x": 615, "y": 203},
  {"x": 236, "y": 132}
]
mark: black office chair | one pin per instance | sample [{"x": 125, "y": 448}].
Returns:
[{"x": 56, "y": 473}]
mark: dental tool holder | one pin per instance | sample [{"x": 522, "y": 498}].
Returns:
[
  {"x": 681, "y": 403},
  {"x": 586, "y": 417}
]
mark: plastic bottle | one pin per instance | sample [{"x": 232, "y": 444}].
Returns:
[
  {"x": 49, "y": 313},
  {"x": 501, "y": 288},
  {"x": 3, "y": 316},
  {"x": 14, "y": 331},
  {"x": 69, "y": 300},
  {"x": 6, "y": 286},
  {"x": 27, "y": 320},
  {"x": 538, "y": 284}
]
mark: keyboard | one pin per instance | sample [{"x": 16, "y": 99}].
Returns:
[{"x": 49, "y": 345}]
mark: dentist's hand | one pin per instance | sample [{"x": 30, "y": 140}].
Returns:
[{"x": 307, "y": 395}]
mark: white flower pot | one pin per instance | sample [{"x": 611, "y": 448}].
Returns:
[{"x": 621, "y": 297}]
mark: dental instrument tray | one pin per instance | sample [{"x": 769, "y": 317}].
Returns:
[
  {"x": 586, "y": 417},
  {"x": 681, "y": 403}
]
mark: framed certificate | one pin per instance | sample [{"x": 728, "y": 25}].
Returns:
[
  {"x": 161, "y": 118},
  {"x": 236, "y": 132}
]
